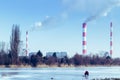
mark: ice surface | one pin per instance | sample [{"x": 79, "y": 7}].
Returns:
[{"x": 58, "y": 73}]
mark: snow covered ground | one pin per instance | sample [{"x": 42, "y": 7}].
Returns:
[{"x": 58, "y": 73}]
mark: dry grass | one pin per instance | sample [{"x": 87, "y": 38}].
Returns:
[{"x": 52, "y": 66}]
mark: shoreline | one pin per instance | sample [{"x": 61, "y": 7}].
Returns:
[{"x": 55, "y": 66}]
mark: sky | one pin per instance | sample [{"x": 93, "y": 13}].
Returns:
[{"x": 56, "y": 25}]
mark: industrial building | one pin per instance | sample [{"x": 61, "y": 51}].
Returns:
[{"x": 58, "y": 54}]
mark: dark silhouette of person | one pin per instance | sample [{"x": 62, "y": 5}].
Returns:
[
  {"x": 52, "y": 78},
  {"x": 86, "y": 73}
]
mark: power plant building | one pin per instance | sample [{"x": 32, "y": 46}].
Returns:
[{"x": 58, "y": 54}]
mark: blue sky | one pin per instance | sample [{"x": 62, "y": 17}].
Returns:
[{"x": 56, "y": 25}]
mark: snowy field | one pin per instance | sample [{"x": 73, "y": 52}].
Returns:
[{"x": 58, "y": 73}]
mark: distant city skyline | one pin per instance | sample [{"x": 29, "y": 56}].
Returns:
[{"x": 56, "y": 25}]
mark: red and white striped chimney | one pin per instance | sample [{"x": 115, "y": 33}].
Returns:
[
  {"x": 111, "y": 39},
  {"x": 84, "y": 42},
  {"x": 26, "y": 43}
]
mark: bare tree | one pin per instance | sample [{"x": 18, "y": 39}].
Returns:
[
  {"x": 14, "y": 43},
  {"x": 2, "y": 48}
]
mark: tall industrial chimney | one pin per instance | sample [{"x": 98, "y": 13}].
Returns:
[
  {"x": 111, "y": 39},
  {"x": 84, "y": 42},
  {"x": 26, "y": 43}
]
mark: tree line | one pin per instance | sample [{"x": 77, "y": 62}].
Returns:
[
  {"x": 76, "y": 60},
  {"x": 11, "y": 57}
]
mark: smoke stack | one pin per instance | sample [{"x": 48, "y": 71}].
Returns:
[
  {"x": 111, "y": 39},
  {"x": 84, "y": 43},
  {"x": 26, "y": 43}
]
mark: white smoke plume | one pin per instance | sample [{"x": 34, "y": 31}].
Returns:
[
  {"x": 38, "y": 24},
  {"x": 48, "y": 22},
  {"x": 94, "y": 8}
]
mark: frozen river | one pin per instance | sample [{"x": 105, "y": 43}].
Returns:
[{"x": 58, "y": 73}]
